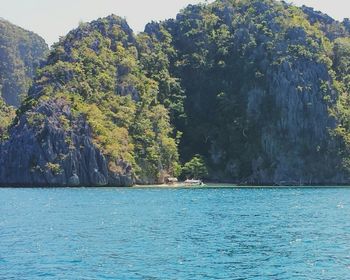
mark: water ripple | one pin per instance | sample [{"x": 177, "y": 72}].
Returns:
[{"x": 174, "y": 234}]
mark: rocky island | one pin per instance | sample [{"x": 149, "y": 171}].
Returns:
[{"x": 248, "y": 92}]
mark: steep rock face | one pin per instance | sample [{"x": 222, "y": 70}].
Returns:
[
  {"x": 44, "y": 152},
  {"x": 21, "y": 53},
  {"x": 295, "y": 142},
  {"x": 296, "y": 145}
]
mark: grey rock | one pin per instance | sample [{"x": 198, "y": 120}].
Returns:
[
  {"x": 42, "y": 152},
  {"x": 74, "y": 180}
]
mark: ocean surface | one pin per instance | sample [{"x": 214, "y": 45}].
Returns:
[{"x": 215, "y": 233}]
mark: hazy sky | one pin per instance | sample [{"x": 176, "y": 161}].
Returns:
[{"x": 54, "y": 18}]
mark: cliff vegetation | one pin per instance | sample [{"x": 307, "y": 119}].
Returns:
[{"x": 250, "y": 92}]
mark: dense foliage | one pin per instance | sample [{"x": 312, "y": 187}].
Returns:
[
  {"x": 21, "y": 52},
  {"x": 260, "y": 89},
  {"x": 7, "y": 114},
  {"x": 247, "y": 91},
  {"x": 96, "y": 71}
]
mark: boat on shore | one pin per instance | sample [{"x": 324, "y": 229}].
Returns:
[
  {"x": 192, "y": 182},
  {"x": 175, "y": 183}
]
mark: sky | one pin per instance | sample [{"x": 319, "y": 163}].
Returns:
[{"x": 54, "y": 18}]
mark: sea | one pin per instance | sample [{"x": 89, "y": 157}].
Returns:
[{"x": 175, "y": 233}]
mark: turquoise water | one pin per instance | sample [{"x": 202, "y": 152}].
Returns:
[{"x": 174, "y": 233}]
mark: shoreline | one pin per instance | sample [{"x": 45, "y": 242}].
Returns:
[
  {"x": 182, "y": 185},
  {"x": 233, "y": 186}
]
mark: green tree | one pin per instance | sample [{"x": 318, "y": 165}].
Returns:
[
  {"x": 7, "y": 114},
  {"x": 195, "y": 168}
]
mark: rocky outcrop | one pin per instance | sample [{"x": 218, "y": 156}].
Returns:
[
  {"x": 332, "y": 28},
  {"x": 296, "y": 144},
  {"x": 91, "y": 117},
  {"x": 317, "y": 16},
  {"x": 50, "y": 147}
]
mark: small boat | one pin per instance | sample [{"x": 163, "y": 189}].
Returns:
[{"x": 193, "y": 182}]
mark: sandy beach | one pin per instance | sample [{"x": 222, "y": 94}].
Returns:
[{"x": 229, "y": 186}]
